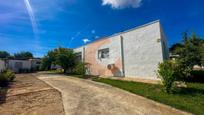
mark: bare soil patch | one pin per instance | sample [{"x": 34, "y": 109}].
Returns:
[{"x": 29, "y": 95}]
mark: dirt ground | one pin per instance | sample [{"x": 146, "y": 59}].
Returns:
[{"x": 31, "y": 96}]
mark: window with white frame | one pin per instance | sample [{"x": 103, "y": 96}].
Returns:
[{"x": 103, "y": 53}]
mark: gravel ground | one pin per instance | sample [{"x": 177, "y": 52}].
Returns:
[
  {"x": 31, "y": 96},
  {"x": 85, "y": 97}
]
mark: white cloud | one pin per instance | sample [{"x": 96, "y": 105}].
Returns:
[
  {"x": 120, "y": 4},
  {"x": 86, "y": 40}
]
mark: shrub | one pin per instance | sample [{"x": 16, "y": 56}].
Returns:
[
  {"x": 167, "y": 74},
  {"x": 4, "y": 81},
  {"x": 79, "y": 69},
  {"x": 6, "y": 77},
  {"x": 10, "y": 75},
  {"x": 182, "y": 71},
  {"x": 196, "y": 76}
]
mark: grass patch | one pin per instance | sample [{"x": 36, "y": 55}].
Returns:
[
  {"x": 196, "y": 76},
  {"x": 190, "y": 99}
]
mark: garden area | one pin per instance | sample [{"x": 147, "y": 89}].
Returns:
[
  {"x": 190, "y": 99},
  {"x": 181, "y": 85}
]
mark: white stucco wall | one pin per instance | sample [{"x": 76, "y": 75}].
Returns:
[
  {"x": 114, "y": 53},
  {"x": 2, "y": 65},
  {"x": 26, "y": 64},
  {"x": 143, "y": 51},
  {"x": 142, "y": 47},
  {"x": 35, "y": 63},
  {"x": 79, "y": 49}
]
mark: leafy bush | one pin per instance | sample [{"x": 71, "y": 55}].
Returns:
[
  {"x": 196, "y": 76},
  {"x": 79, "y": 69},
  {"x": 197, "y": 73},
  {"x": 182, "y": 70},
  {"x": 6, "y": 77},
  {"x": 167, "y": 73},
  {"x": 4, "y": 81},
  {"x": 10, "y": 74}
]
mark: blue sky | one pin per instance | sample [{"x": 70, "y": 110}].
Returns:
[{"x": 41, "y": 25}]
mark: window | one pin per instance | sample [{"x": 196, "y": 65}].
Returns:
[
  {"x": 79, "y": 56},
  {"x": 103, "y": 53}
]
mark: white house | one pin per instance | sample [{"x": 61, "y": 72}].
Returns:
[
  {"x": 35, "y": 63},
  {"x": 17, "y": 65},
  {"x": 132, "y": 53}
]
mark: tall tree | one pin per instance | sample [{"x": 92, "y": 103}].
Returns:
[
  {"x": 23, "y": 55},
  {"x": 63, "y": 57},
  {"x": 46, "y": 63},
  {"x": 202, "y": 54},
  {"x": 189, "y": 54},
  {"x": 190, "y": 51},
  {"x": 4, "y": 54},
  {"x": 176, "y": 48}
]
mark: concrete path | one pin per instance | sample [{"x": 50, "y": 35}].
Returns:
[{"x": 84, "y": 97}]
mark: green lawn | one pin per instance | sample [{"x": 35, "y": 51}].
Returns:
[{"x": 189, "y": 99}]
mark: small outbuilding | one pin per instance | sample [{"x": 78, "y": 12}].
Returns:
[
  {"x": 23, "y": 65},
  {"x": 18, "y": 65}
]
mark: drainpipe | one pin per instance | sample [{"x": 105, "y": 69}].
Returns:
[
  {"x": 122, "y": 56},
  {"x": 84, "y": 61}
]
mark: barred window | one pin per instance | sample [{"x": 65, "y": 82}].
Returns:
[{"x": 103, "y": 53}]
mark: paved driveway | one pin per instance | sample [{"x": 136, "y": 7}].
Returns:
[{"x": 84, "y": 97}]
